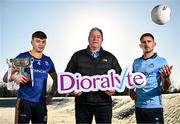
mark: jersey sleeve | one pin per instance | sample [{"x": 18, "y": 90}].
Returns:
[
  {"x": 21, "y": 55},
  {"x": 52, "y": 67}
]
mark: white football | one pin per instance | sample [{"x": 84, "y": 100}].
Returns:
[{"x": 161, "y": 14}]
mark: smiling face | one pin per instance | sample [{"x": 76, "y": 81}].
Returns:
[{"x": 95, "y": 40}]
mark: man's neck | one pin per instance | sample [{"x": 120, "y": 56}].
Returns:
[
  {"x": 93, "y": 49},
  {"x": 147, "y": 55},
  {"x": 36, "y": 54}
]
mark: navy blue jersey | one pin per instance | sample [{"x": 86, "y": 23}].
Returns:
[
  {"x": 150, "y": 95},
  {"x": 41, "y": 67}
]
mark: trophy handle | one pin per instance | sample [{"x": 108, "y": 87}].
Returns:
[
  {"x": 20, "y": 70},
  {"x": 31, "y": 71},
  {"x": 9, "y": 69},
  {"x": 10, "y": 85}
]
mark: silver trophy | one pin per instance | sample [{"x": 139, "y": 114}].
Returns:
[{"x": 23, "y": 65}]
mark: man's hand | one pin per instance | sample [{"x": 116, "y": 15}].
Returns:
[
  {"x": 19, "y": 79},
  {"x": 49, "y": 99},
  {"x": 77, "y": 93},
  {"x": 110, "y": 92},
  {"x": 165, "y": 72},
  {"x": 132, "y": 95}
]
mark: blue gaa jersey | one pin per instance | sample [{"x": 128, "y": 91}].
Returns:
[
  {"x": 40, "y": 68},
  {"x": 150, "y": 95}
]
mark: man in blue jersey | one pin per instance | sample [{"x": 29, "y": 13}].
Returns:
[
  {"x": 32, "y": 99},
  {"x": 148, "y": 100}
]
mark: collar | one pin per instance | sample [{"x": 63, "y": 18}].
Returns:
[
  {"x": 153, "y": 56},
  {"x": 35, "y": 56},
  {"x": 90, "y": 53}
]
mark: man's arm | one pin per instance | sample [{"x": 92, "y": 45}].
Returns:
[
  {"x": 165, "y": 76},
  {"x": 72, "y": 64},
  {"x": 5, "y": 78},
  {"x": 72, "y": 67},
  {"x": 54, "y": 85},
  {"x": 117, "y": 68},
  {"x": 166, "y": 83},
  {"x": 53, "y": 88},
  {"x": 132, "y": 94},
  {"x": 15, "y": 77}
]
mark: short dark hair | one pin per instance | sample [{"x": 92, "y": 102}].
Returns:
[
  {"x": 98, "y": 29},
  {"x": 147, "y": 34},
  {"x": 39, "y": 34}
]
